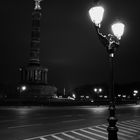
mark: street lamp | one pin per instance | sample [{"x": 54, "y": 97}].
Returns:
[
  {"x": 118, "y": 29},
  {"x": 135, "y": 93},
  {"x": 111, "y": 42},
  {"x": 98, "y": 90},
  {"x": 23, "y": 88},
  {"x": 96, "y": 15}
]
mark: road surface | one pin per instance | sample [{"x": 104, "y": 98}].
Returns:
[{"x": 66, "y": 123}]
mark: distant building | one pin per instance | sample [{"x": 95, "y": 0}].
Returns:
[{"x": 33, "y": 76}]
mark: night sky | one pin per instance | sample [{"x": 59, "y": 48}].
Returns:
[{"x": 70, "y": 48}]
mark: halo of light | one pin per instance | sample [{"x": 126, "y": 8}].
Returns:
[
  {"x": 118, "y": 29},
  {"x": 96, "y": 14},
  {"x": 23, "y": 88}
]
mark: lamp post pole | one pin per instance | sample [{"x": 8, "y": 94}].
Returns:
[
  {"x": 112, "y": 128},
  {"x": 111, "y": 43}
]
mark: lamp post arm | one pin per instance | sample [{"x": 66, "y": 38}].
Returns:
[
  {"x": 103, "y": 38},
  {"x": 114, "y": 40}
]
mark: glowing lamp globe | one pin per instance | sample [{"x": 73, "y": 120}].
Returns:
[
  {"x": 96, "y": 14},
  {"x": 118, "y": 29}
]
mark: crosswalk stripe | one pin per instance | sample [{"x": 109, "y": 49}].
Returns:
[
  {"x": 127, "y": 126},
  {"x": 122, "y": 138},
  {"x": 97, "y": 130},
  {"x": 118, "y": 125},
  {"x": 72, "y": 137},
  {"x": 101, "y": 128},
  {"x": 128, "y": 129},
  {"x": 43, "y": 139},
  {"x": 94, "y": 134},
  {"x": 134, "y": 123},
  {"x": 104, "y": 129},
  {"x": 121, "y": 130},
  {"x": 128, "y": 132},
  {"x": 83, "y": 135},
  {"x": 118, "y": 132},
  {"x": 105, "y": 125},
  {"x": 138, "y": 121},
  {"x": 130, "y": 123},
  {"x": 126, "y": 135},
  {"x": 56, "y": 137}
]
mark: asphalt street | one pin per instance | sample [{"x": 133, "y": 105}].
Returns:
[{"x": 66, "y": 123}]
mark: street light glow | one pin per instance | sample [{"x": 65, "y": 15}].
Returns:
[
  {"x": 100, "y": 90},
  {"x": 73, "y": 95},
  {"x": 100, "y": 96},
  {"x": 105, "y": 96},
  {"x": 124, "y": 96},
  {"x": 23, "y": 88},
  {"x": 136, "y": 91},
  {"x": 95, "y": 89},
  {"x": 96, "y": 14},
  {"x": 118, "y": 29},
  {"x": 119, "y": 95}
]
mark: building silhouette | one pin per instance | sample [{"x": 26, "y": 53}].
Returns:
[{"x": 33, "y": 76}]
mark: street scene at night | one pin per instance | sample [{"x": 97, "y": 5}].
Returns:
[{"x": 70, "y": 70}]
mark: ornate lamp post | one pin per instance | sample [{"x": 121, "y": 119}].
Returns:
[{"x": 111, "y": 43}]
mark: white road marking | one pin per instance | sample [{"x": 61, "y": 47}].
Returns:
[
  {"x": 94, "y": 134},
  {"x": 72, "y": 137},
  {"x": 118, "y": 125},
  {"x": 83, "y": 135},
  {"x": 126, "y": 135},
  {"x": 21, "y": 126},
  {"x": 56, "y": 137},
  {"x": 121, "y": 138},
  {"x": 128, "y": 121},
  {"x": 128, "y": 126},
  {"x": 100, "y": 127},
  {"x": 43, "y": 139},
  {"x": 73, "y": 120},
  {"x": 126, "y": 131},
  {"x": 97, "y": 130},
  {"x": 131, "y": 124},
  {"x": 135, "y": 121}
]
